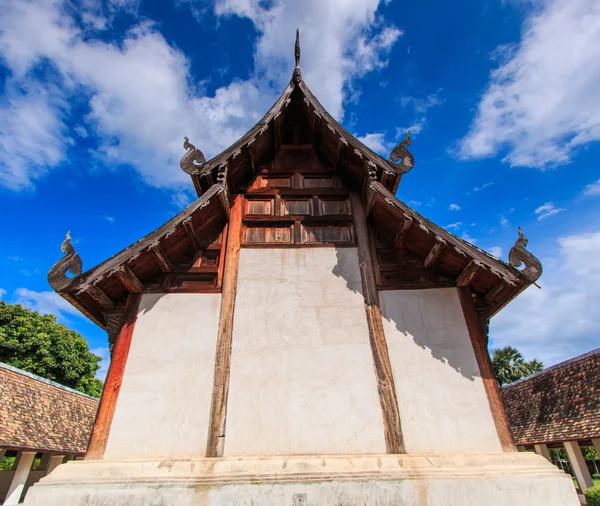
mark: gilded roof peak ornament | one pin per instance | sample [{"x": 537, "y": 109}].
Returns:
[
  {"x": 297, "y": 74},
  {"x": 519, "y": 255},
  {"x": 193, "y": 155},
  {"x": 57, "y": 276},
  {"x": 400, "y": 152}
]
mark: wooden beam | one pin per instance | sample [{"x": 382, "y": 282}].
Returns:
[
  {"x": 218, "y": 409},
  {"x": 381, "y": 359},
  {"x": 403, "y": 232},
  {"x": 114, "y": 379},
  {"x": 189, "y": 228},
  {"x": 493, "y": 295},
  {"x": 129, "y": 280},
  {"x": 434, "y": 254},
  {"x": 222, "y": 255},
  {"x": 467, "y": 275},
  {"x": 162, "y": 259},
  {"x": 224, "y": 194},
  {"x": 277, "y": 130},
  {"x": 100, "y": 297},
  {"x": 478, "y": 341}
]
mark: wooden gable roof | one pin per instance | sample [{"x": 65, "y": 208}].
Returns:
[{"x": 296, "y": 151}]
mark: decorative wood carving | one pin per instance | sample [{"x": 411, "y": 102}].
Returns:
[
  {"x": 403, "y": 232},
  {"x": 400, "y": 152},
  {"x": 70, "y": 262},
  {"x": 189, "y": 229},
  {"x": 113, "y": 321},
  {"x": 218, "y": 409},
  {"x": 468, "y": 273},
  {"x": 193, "y": 155},
  {"x": 381, "y": 358},
  {"x": 519, "y": 255},
  {"x": 100, "y": 297},
  {"x": 114, "y": 379},
  {"x": 224, "y": 194},
  {"x": 479, "y": 342},
  {"x": 297, "y": 75}
]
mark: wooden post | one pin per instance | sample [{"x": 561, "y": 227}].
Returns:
[
  {"x": 114, "y": 379},
  {"x": 381, "y": 359},
  {"x": 218, "y": 409},
  {"x": 492, "y": 390}
]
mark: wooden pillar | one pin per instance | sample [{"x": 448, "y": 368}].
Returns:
[
  {"x": 381, "y": 359},
  {"x": 218, "y": 409},
  {"x": 582, "y": 473},
  {"x": 15, "y": 491},
  {"x": 542, "y": 450},
  {"x": 479, "y": 342},
  {"x": 114, "y": 379},
  {"x": 596, "y": 443}
]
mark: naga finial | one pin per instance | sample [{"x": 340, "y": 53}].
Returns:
[
  {"x": 519, "y": 255},
  {"x": 57, "y": 276},
  {"x": 193, "y": 155},
  {"x": 400, "y": 152},
  {"x": 297, "y": 74}
]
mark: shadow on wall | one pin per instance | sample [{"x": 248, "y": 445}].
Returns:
[{"x": 431, "y": 318}]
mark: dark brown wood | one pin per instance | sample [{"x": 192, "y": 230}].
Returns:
[
  {"x": 222, "y": 255},
  {"x": 100, "y": 297},
  {"x": 218, "y": 409},
  {"x": 162, "y": 259},
  {"x": 467, "y": 275},
  {"x": 434, "y": 254},
  {"x": 403, "y": 232},
  {"x": 381, "y": 358},
  {"x": 189, "y": 228},
  {"x": 129, "y": 280},
  {"x": 479, "y": 340},
  {"x": 114, "y": 379}
]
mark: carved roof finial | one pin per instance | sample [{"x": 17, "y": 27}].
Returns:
[
  {"x": 519, "y": 255},
  {"x": 193, "y": 155},
  {"x": 297, "y": 74},
  {"x": 70, "y": 262},
  {"x": 400, "y": 152}
]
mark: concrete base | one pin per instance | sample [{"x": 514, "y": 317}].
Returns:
[{"x": 508, "y": 479}]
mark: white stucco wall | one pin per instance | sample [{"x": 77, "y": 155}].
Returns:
[
  {"x": 164, "y": 403},
  {"x": 302, "y": 375},
  {"x": 442, "y": 400}
]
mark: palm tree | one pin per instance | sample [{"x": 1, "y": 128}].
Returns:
[{"x": 509, "y": 365}]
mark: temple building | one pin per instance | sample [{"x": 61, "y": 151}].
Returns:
[{"x": 299, "y": 336}]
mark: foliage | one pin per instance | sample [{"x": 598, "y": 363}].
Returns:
[
  {"x": 7, "y": 463},
  {"x": 592, "y": 495},
  {"x": 37, "y": 344},
  {"x": 509, "y": 365}
]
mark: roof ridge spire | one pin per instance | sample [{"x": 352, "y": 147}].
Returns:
[{"x": 297, "y": 74}]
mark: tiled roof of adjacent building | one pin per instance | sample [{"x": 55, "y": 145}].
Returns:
[
  {"x": 39, "y": 414},
  {"x": 560, "y": 403}
]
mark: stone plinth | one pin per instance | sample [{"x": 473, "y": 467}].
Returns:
[{"x": 500, "y": 479}]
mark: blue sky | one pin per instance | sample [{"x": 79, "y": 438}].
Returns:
[{"x": 502, "y": 98}]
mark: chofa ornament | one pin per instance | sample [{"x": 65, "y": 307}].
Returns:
[
  {"x": 400, "y": 152},
  {"x": 57, "y": 276},
  {"x": 193, "y": 155},
  {"x": 519, "y": 255}
]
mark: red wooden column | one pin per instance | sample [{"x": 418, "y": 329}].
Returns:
[
  {"x": 114, "y": 379},
  {"x": 381, "y": 358},
  {"x": 218, "y": 409},
  {"x": 479, "y": 342}
]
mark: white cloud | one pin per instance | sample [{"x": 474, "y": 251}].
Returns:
[
  {"x": 546, "y": 210},
  {"x": 560, "y": 320},
  {"x": 376, "y": 141},
  {"x": 422, "y": 105},
  {"x": 110, "y": 219},
  {"x": 104, "y": 363},
  {"x": 496, "y": 251},
  {"x": 454, "y": 207},
  {"x": 341, "y": 40},
  {"x": 465, "y": 236},
  {"x": 415, "y": 203},
  {"x": 503, "y": 221},
  {"x": 45, "y": 303},
  {"x": 454, "y": 226},
  {"x": 483, "y": 186},
  {"x": 140, "y": 93},
  {"x": 592, "y": 189},
  {"x": 541, "y": 103},
  {"x": 2, "y": 292}
]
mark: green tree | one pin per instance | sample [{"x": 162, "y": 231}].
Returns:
[
  {"x": 37, "y": 344},
  {"x": 509, "y": 365}
]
